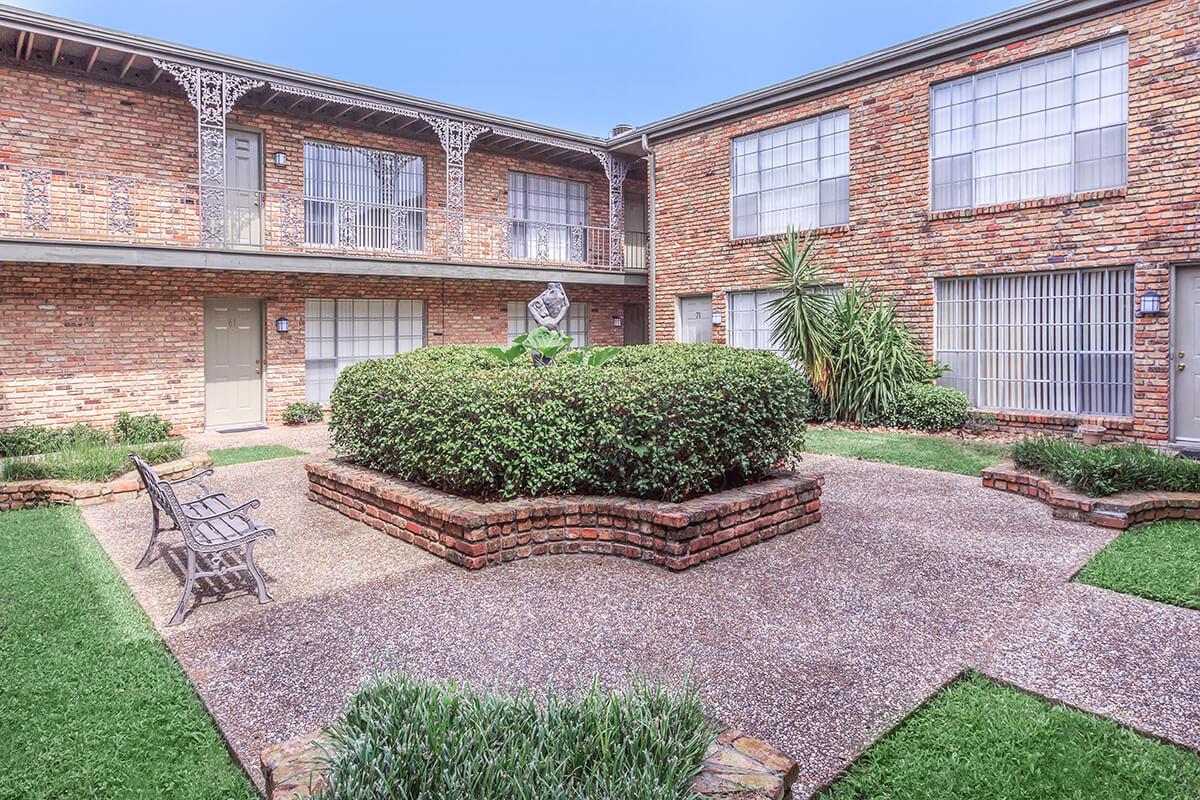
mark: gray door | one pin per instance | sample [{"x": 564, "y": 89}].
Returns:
[
  {"x": 1185, "y": 404},
  {"x": 695, "y": 318},
  {"x": 635, "y": 323},
  {"x": 243, "y": 200},
  {"x": 233, "y": 390}
]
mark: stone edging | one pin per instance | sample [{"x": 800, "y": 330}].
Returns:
[
  {"x": 1119, "y": 511},
  {"x": 476, "y": 535},
  {"x": 28, "y": 494},
  {"x": 736, "y": 767}
]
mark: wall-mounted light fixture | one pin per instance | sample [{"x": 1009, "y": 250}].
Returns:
[
  {"x": 280, "y": 159},
  {"x": 718, "y": 318},
  {"x": 281, "y": 325},
  {"x": 1151, "y": 303},
  {"x": 616, "y": 321}
]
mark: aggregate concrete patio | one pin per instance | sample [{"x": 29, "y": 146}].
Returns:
[{"x": 817, "y": 642}]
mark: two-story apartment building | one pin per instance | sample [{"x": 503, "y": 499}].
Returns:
[{"x": 213, "y": 238}]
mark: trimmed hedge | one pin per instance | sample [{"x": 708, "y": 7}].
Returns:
[
  {"x": 303, "y": 413},
  {"x": 656, "y": 421},
  {"x": 1108, "y": 469},
  {"x": 928, "y": 407}
]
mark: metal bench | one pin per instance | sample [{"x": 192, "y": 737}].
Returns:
[{"x": 211, "y": 526}]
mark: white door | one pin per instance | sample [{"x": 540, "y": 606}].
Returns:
[
  {"x": 1185, "y": 403},
  {"x": 695, "y": 319},
  {"x": 233, "y": 389},
  {"x": 243, "y": 199},
  {"x": 635, "y": 230}
]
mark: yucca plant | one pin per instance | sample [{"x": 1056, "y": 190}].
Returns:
[{"x": 800, "y": 317}]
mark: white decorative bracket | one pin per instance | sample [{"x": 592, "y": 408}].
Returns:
[
  {"x": 456, "y": 137},
  {"x": 213, "y": 94},
  {"x": 616, "y": 168}
]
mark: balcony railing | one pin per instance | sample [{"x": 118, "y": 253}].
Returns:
[{"x": 42, "y": 202}]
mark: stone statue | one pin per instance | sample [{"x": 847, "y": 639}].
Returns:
[{"x": 549, "y": 308}]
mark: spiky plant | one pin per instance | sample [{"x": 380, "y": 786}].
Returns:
[{"x": 800, "y": 317}]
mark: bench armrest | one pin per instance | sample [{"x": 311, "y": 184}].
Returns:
[
  {"x": 239, "y": 511},
  {"x": 199, "y": 476}
]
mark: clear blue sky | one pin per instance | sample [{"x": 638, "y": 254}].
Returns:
[{"x": 583, "y": 66}]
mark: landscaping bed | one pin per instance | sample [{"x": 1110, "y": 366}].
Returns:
[{"x": 31, "y": 493}]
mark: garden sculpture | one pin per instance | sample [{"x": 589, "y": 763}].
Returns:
[{"x": 549, "y": 308}]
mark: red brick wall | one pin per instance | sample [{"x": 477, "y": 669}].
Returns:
[
  {"x": 83, "y": 343},
  {"x": 899, "y": 247}
]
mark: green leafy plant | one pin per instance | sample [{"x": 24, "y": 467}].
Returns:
[
  {"x": 411, "y": 739},
  {"x": 32, "y": 439},
  {"x": 1108, "y": 469},
  {"x": 302, "y": 413},
  {"x": 658, "y": 421},
  {"x": 541, "y": 343},
  {"x": 591, "y": 356},
  {"x": 800, "y": 317},
  {"x": 138, "y": 429},
  {"x": 89, "y": 461},
  {"x": 928, "y": 407}
]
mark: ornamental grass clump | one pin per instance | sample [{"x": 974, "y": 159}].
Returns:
[
  {"x": 655, "y": 421},
  {"x": 1108, "y": 469},
  {"x": 410, "y": 739}
]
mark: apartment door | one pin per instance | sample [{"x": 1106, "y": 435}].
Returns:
[
  {"x": 243, "y": 176},
  {"x": 635, "y": 230},
  {"x": 233, "y": 388},
  {"x": 695, "y": 319},
  {"x": 1185, "y": 402},
  {"x": 635, "y": 323}
]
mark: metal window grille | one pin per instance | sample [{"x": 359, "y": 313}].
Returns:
[
  {"x": 362, "y": 198},
  {"x": 1045, "y": 127},
  {"x": 794, "y": 176},
  {"x": 1051, "y": 342},
  {"x": 543, "y": 212},
  {"x": 338, "y": 333},
  {"x": 575, "y": 325}
]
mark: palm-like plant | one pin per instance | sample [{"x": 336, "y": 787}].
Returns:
[{"x": 800, "y": 318}]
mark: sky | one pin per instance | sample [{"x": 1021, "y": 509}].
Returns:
[{"x": 580, "y": 66}]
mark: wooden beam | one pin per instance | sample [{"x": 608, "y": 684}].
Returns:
[
  {"x": 57, "y": 51},
  {"x": 318, "y": 108},
  {"x": 157, "y": 75},
  {"x": 407, "y": 125},
  {"x": 343, "y": 112},
  {"x": 364, "y": 118},
  {"x": 267, "y": 102},
  {"x": 20, "y": 44},
  {"x": 92, "y": 58},
  {"x": 386, "y": 120},
  {"x": 29, "y": 45},
  {"x": 298, "y": 102},
  {"x": 128, "y": 63}
]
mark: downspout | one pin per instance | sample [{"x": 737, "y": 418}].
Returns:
[{"x": 650, "y": 315}]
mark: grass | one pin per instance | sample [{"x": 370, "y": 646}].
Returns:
[
  {"x": 257, "y": 452},
  {"x": 94, "y": 706},
  {"x": 1107, "y": 469},
  {"x": 928, "y": 451},
  {"x": 1159, "y": 561},
  {"x": 977, "y": 739},
  {"x": 89, "y": 461},
  {"x": 410, "y": 739}
]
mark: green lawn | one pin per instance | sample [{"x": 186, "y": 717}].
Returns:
[
  {"x": 1159, "y": 561},
  {"x": 257, "y": 452},
  {"x": 977, "y": 740},
  {"x": 93, "y": 705},
  {"x": 945, "y": 453}
]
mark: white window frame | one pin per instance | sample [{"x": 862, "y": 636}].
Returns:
[
  {"x": 566, "y": 238},
  {"x": 577, "y": 325},
  {"x": 762, "y": 314},
  {"x": 392, "y": 326}
]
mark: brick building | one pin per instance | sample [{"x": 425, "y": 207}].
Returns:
[{"x": 1024, "y": 186}]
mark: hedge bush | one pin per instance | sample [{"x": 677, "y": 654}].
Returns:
[
  {"x": 140, "y": 428},
  {"x": 1107, "y": 469},
  {"x": 656, "y": 421},
  {"x": 301, "y": 413},
  {"x": 928, "y": 407},
  {"x": 29, "y": 440}
]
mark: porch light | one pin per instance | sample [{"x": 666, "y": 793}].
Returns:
[
  {"x": 281, "y": 325},
  {"x": 1151, "y": 303},
  {"x": 616, "y": 321},
  {"x": 280, "y": 159}
]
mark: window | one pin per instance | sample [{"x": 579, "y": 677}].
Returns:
[
  {"x": 338, "y": 333},
  {"x": 549, "y": 218},
  {"x": 1057, "y": 342},
  {"x": 363, "y": 199},
  {"x": 1042, "y": 128},
  {"x": 750, "y": 318},
  {"x": 575, "y": 325},
  {"x": 797, "y": 176}
]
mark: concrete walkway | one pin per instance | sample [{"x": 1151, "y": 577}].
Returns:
[{"x": 817, "y": 642}]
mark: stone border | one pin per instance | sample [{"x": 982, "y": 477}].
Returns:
[
  {"x": 736, "y": 767},
  {"x": 475, "y": 535},
  {"x": 33, "y": 493},
  {"x": 1119, "y": 511}
]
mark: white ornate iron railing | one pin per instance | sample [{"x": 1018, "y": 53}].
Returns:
[{"x": 66, "y": 204}]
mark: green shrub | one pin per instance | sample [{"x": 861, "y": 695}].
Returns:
[
  {"x": 32, "y": 439},
  {"x": 301, "y": 413},
  {"x": 139, "y": 429},
  {"x": 1108, "y": 469},
  {"x": 656, "y": 421},
  {"x": 89, "y": 461},
  {"x": 410, "y": 739},
  {"x": 928, "y": 407}
]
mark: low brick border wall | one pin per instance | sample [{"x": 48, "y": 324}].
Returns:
[
  {"x": 736, "y": 767},
  {"x": 1120, "y": 511},
  {"x": 476, "y": 535},
  {"x": 30, "y": 494}
]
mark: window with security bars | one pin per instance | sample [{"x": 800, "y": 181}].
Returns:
[
  {"x": 795, "y": 176},
  {"x": 1042, "y": 128},
  {"x": 750, "y": 318},
  {"x": 1050, "y": 342},
  {"x": 549, "y": 218},
  {"x": 575, "y": 325},
  {"x": 338, "y": 333},
  {"x": 363, "y": 199}
]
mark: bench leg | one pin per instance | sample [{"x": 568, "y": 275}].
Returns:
[
  {"x": 153, "y": 536},
  {"x": 263, "y": 596},
  {"x": 187, "y": 589}
]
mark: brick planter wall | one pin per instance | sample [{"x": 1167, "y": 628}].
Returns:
[
  {"x": 32, "y": 493},
  {"x": 1119, "y": 511},
  {"x": 736, "y": 767},
  {"x": 476, "y": 535}
]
